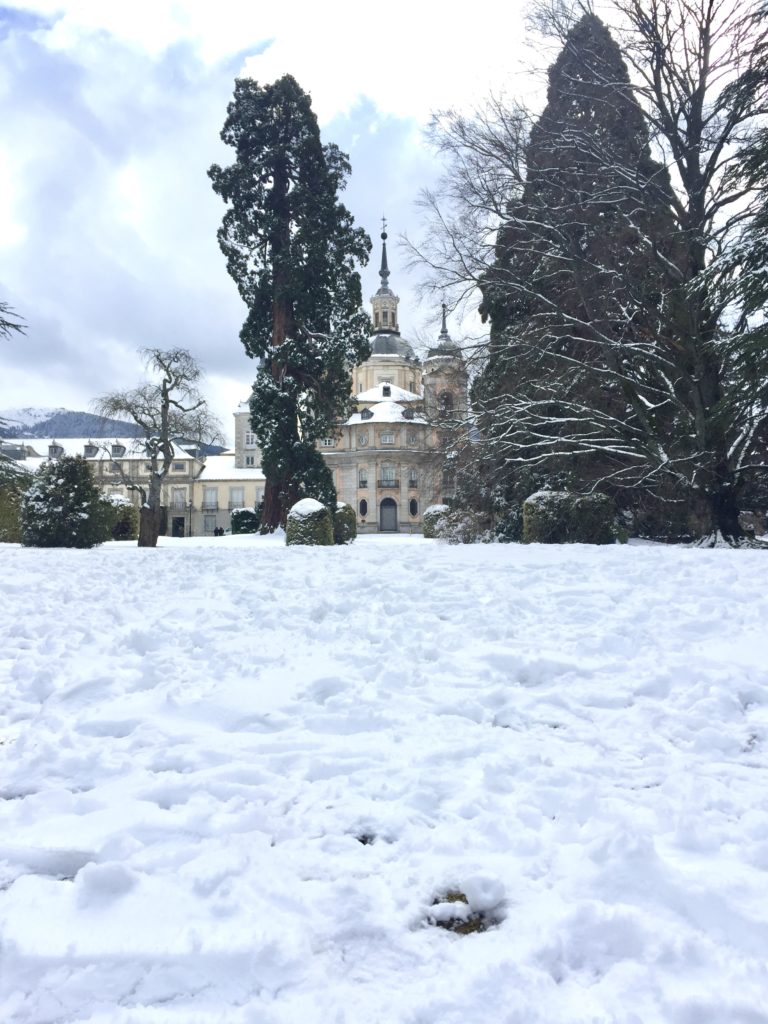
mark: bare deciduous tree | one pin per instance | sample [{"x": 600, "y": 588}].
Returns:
[{"x": 166, "y": 407}]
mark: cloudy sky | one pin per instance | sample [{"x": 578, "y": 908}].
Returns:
[{"x": 110, "y": 116}]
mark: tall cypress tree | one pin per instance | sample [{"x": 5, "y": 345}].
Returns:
[
  {"x": 578, "y": 297},
  {"x": 292, "y": 249}
]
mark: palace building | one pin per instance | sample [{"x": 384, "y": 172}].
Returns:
[{"x": 391, "y": 459}]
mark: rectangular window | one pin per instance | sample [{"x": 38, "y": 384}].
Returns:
[
  {"x": 249, "y": 460},
  {"x": 413, "y": 478},
  {"x": 385, "y": 316},
  {"x": 362, "y": 478},
  {"x": 178, "y": 499},
  {"x": 236, "y": 497},
  {"x": 250, "y": 439},
  {"x": 388, "y": 475},
  {"x": 328, "y": 442},
  {"x": 179, "y": 467},
  {"x": 388, "y": 438},
  {"x": 210, "y": 499},
  {"x": 209, "y": 524}
]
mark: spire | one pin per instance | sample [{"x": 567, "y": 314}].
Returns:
[
  {"x": 384, "y": 272},
  {"x": 384, "y": 302},
  {"x": 444, "y": 335},
  {"x": 445, "y": 346}
]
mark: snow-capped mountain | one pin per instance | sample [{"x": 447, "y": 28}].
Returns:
[{"x": 45, "y": 422}]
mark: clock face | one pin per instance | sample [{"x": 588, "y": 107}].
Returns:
[{"x": 362, "y": 440}]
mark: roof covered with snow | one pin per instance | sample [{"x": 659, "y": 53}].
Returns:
[
  {"x": 222, "y": 467},
  {"x": 38, "y": 447},
  {"x": 396, "y": 394},
  {"x": 384, "y": 412}
]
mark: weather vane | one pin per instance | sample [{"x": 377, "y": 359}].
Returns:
[{"x": 383, "y": 227}]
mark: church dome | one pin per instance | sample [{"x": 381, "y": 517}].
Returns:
[{"x": 385, "y": 343}]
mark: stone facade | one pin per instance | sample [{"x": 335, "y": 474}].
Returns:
[{"x": 391, "y": 459}]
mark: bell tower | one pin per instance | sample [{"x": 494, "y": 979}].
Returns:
[{"x": 385, "y": 302}]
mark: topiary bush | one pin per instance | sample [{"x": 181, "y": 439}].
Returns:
[
  {"x": 63, "y": 508},
  {"x": 309, "y": 522},
  {"x": 13, "y": 482},
  {"x": 246, "y": 520},
  {"x": 344, "y": 524},
  {"x": 563, "y": 517},
  {"x": 431, "y": 518},
  {"x": 462, "y": 527},
  {"x": 124, "y": 518}
]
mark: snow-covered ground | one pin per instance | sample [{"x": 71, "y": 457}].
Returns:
[{"x": 235, "y": 776}]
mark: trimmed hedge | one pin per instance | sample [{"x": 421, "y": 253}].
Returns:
[
  {"x": 344, "y": 523},
  {"x": 309, "y": 522},
  {"x": 431, "y": 518},
  {"x": 125, "y": 520},
  {"x": 563, "y": 517},
  {"x": 462, "y": 527},
  {"x": 13, "y": 483},
  {"x": 246, "y": 520}
]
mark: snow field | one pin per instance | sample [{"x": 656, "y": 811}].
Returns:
[{"x": 195, "y": 740}]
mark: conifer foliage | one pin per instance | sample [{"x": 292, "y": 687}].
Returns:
[
  {"x": 63, "y": 508},
  {"x": 612, "y": 358},
  {"x": 576, "y": 297},
  {"x": 292, "y": 249}
]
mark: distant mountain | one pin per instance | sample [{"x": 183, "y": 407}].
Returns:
[{"x": 61, "y": 423}]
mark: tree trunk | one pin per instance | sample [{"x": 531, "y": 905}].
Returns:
[
  {"x": 270, "y": 513},
  {"x": 149, "y": 526},
  {"x": 715, "y": 518}
]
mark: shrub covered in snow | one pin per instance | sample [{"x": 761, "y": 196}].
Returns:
[
  {"x": 63, "y": 508},
  {"x": 344, "y": 523},
  {"x": 563, "y": 517},
  {"x": 309, "y": 522},
  {"x": 13, "y": 482},
  {"x": 431, "y": 518},
  {"x": 462, "y": 526},
  {"x": 123, "y": 517},
  {"x": 246, "y": 520}
]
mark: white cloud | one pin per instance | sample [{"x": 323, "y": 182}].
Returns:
[{"x": 111, "y": 114}]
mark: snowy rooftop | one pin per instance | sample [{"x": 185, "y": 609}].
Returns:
[
  {"x": 396, "y": 394},
  {"x": 222, "y": 467},
  {"x": 38, "y": 447},
  {"x": 384, "y": 412}
]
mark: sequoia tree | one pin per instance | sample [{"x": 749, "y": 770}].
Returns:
[{"x": 292, "y": 248}]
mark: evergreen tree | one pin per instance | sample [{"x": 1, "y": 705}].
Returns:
[
  {"x": 577, "y": 298},
  {"x": 63, "y": 508},
  {"x": 291, "y": 248}
]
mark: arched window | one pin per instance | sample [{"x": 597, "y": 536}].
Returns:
[
  {"x": 413, "y": 507},
  {"x": 363, "y": 508}
]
